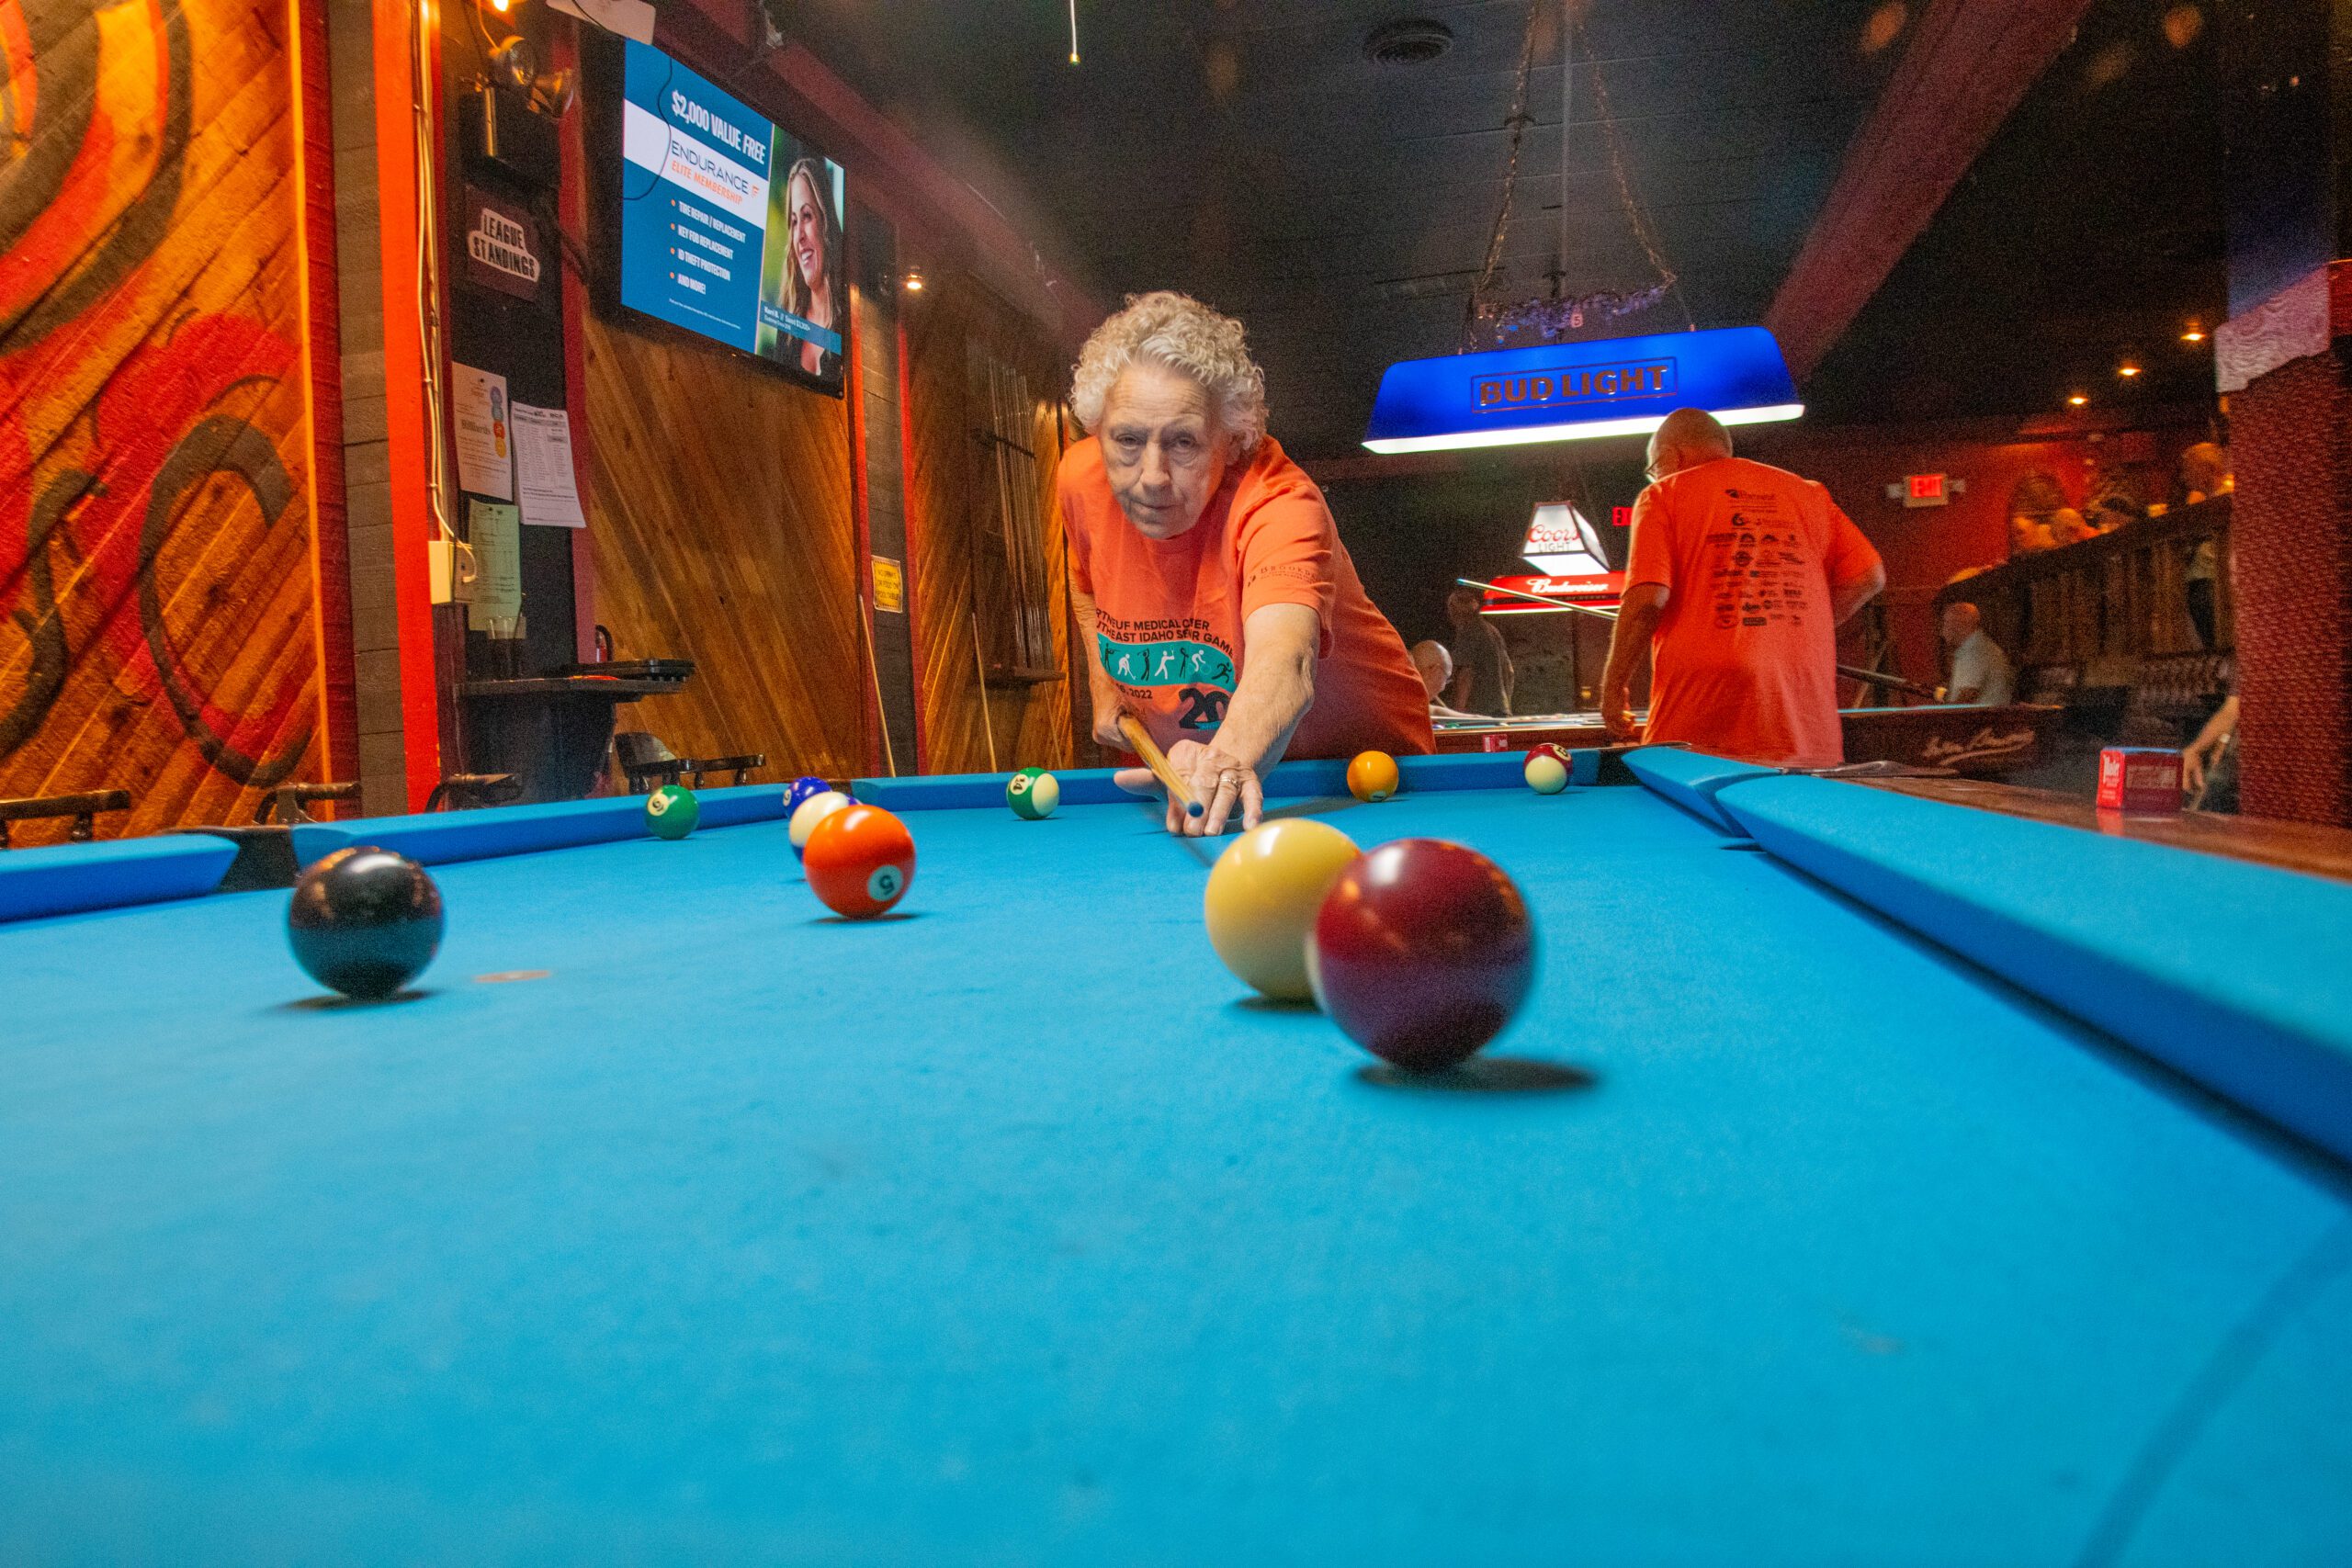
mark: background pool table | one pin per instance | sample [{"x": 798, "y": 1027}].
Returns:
[{"x": 1009, "y": 1230}]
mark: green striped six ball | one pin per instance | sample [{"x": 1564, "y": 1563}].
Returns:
[
  {"x": 672, "y": 811},
  {"x": 1034, "y": 792}
]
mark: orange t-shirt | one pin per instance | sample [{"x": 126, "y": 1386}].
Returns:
[
  {"x": 1745, "y": 661},
  {"x": 1169, "y": 612}
]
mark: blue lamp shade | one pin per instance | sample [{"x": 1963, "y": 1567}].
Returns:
[{"x": 1574, "y": 392}]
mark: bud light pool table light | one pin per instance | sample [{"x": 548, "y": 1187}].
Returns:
[{"x": 1580, "y": 391}]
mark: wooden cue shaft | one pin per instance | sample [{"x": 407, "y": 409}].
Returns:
[
  {"x": 1140, "y": 740},
  {"x": 873, "y": 668},
  {"x": 980, "y": 663}
]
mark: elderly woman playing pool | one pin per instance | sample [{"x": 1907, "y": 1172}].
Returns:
[{"x": 1226, "y": 616}]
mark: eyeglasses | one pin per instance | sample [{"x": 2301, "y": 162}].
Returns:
[{"x": 1649, "y": 471}]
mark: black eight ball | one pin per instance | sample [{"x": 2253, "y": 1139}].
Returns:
[{"x": 365, "y": 921}]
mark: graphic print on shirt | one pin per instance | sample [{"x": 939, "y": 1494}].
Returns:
[
  {"x": 1157, "y": 655},
  {"x": 1757, "y": 573}
]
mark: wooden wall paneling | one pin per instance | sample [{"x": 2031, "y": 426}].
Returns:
[
  {"x": 721, "y": 527},
  {"x": 158, "y": 606},
  {"x": 946, "y": 483}
]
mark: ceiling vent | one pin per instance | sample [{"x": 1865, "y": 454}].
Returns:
[{"x": 1416, "y": 41}]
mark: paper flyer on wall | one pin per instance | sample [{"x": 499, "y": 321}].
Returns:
[
  {"x": 544, "y": 480},
  {"x": 494, "y": 532},
  {"x": 478, "y": 415}
]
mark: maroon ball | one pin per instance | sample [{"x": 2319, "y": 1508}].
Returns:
[
  {"x": 1422, "y": 952},
  {"x": 1568, "y": 758}
]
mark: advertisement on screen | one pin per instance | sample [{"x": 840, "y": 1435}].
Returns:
[{"x": 728, "y": 227}]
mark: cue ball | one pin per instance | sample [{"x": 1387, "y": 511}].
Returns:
[
  {"x": 810, "y": 812},
  {"x": 1032, "y": 794},
  {"x": 1546, "y": 769},
  {"x": 1373, "y": 776},
  {"x": 672, "y": 811},
  {"x": 799, "y": 791},
  {"x": 363, "y": 921},
  {"x": 1263, "y": 896},
  {"x": 1421, "y": 953},
  {"x": 861, "y": 860}
]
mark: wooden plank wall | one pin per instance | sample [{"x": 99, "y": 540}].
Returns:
[
  {"x": 158, "y": 625},
  {"x": 721, "y": 528},
  {"x": 946, "y": 485}
]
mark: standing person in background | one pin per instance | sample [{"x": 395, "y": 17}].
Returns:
[
  {"x": 1482, "y": 671},
  {"x": 2204, "y": 474},
  {"x": 1981, "y": 676},
  {"x": 1738, "y": 576}
]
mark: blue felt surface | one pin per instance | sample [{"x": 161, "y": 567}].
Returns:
[
  {"x": 441, "y": 838},
  {"x": 63, "y": 878},
  {"x": 2238, "y": 975},
  {"x": 1008, "y": 1233},
  {"x": 1692, "y": 779}
]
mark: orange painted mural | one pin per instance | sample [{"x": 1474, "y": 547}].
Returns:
[{"x": 158, "y": 602}]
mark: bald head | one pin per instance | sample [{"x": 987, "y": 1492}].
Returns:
[
  {"x": 1687, "y": 438},
  {"x": 1960, "y": 621},
  {"x": 1435, "y": 662}
]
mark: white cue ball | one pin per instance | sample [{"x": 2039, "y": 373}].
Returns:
[{"x": 813, "y": 810}]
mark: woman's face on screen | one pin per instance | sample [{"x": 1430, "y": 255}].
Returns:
[{"x": 807, "y": 234}]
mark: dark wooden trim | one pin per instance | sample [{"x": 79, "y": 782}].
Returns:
[
  {"x": 2290, "y": 846},
  {"x": 330, "y": 535},
  {"x": 1967, "y": 67}
]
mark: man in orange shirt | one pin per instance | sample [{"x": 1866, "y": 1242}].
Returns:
[
  {"x": 1224, "y": 612},
  {"x": 1739, "y": 576}
]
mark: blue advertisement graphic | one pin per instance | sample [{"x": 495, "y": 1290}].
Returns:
[{"x": 728, "y": 227}]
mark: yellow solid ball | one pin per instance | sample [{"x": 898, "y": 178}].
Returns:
[{"x": 1263, "y": 896}]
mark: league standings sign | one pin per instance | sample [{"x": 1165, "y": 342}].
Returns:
[{"x": 728, "y": 227}]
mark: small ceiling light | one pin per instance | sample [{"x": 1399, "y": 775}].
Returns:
[
  {"x": 2195, "y": 334},
  {"x": 2127, "y": 370},
  {"x": 911, "y": 280},
  {"x": 2078, "y": 399},
  {"x": 501, "y": 5}
]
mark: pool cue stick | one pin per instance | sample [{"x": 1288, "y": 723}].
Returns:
[
  {"x": 1140, "y": 740},
  {"x": 881, "y": 713},
  {"x": 1867, "y": 677},
  {"x": 988, "y": 721}
]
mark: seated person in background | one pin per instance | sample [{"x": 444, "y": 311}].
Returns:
[
  {"x": 2068, "y": 526},
  {"x": 2113, "y": 509},
  {"x": 1436, "y": 667},
  {"x": 1737, "y": 579},
  {"x": 2034, "y": 502},
  {"x": 1224, "y": 614},
  {"x": 1482, "y": 671},
  {"x": 1981, "y": 676}
]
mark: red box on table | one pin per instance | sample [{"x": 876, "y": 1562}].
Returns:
[{"x": 2139, "y": 779}]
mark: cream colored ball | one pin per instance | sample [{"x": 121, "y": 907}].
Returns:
[{"x": 1263, "y": 896}]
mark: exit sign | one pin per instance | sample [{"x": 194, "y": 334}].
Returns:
[
  {"x": 1925, "y": 490},
  {"x": 1620, "y": 516}
]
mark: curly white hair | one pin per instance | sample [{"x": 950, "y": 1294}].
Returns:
[{"x": 1179, "y": 332}]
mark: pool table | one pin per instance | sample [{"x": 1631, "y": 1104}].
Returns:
[{"x": 1868, "y": 1179}]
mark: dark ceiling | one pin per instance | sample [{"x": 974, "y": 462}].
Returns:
[
  {"x": 1247, "y": 152},
  {"x": 2086, "y": 237}
]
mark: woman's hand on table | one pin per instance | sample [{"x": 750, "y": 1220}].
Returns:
[{"x": 1225, "y": 788}]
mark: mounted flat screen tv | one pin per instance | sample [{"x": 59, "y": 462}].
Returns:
[{"x": 728, "y": 227}]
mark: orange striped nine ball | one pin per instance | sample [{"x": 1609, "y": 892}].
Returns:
[{"x": 860, "y": 860}]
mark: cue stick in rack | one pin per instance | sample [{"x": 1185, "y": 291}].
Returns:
[
  {"x": 988, "y": 720},
  {"x": 881, "y": 713},
  {"x": 1866, "y": 677},
  {"x": 1140, "y": 740}
]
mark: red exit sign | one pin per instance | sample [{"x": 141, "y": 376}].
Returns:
[
  {"x": 1620, "y": 516},
  {"x": 1925, "y": 490}
]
